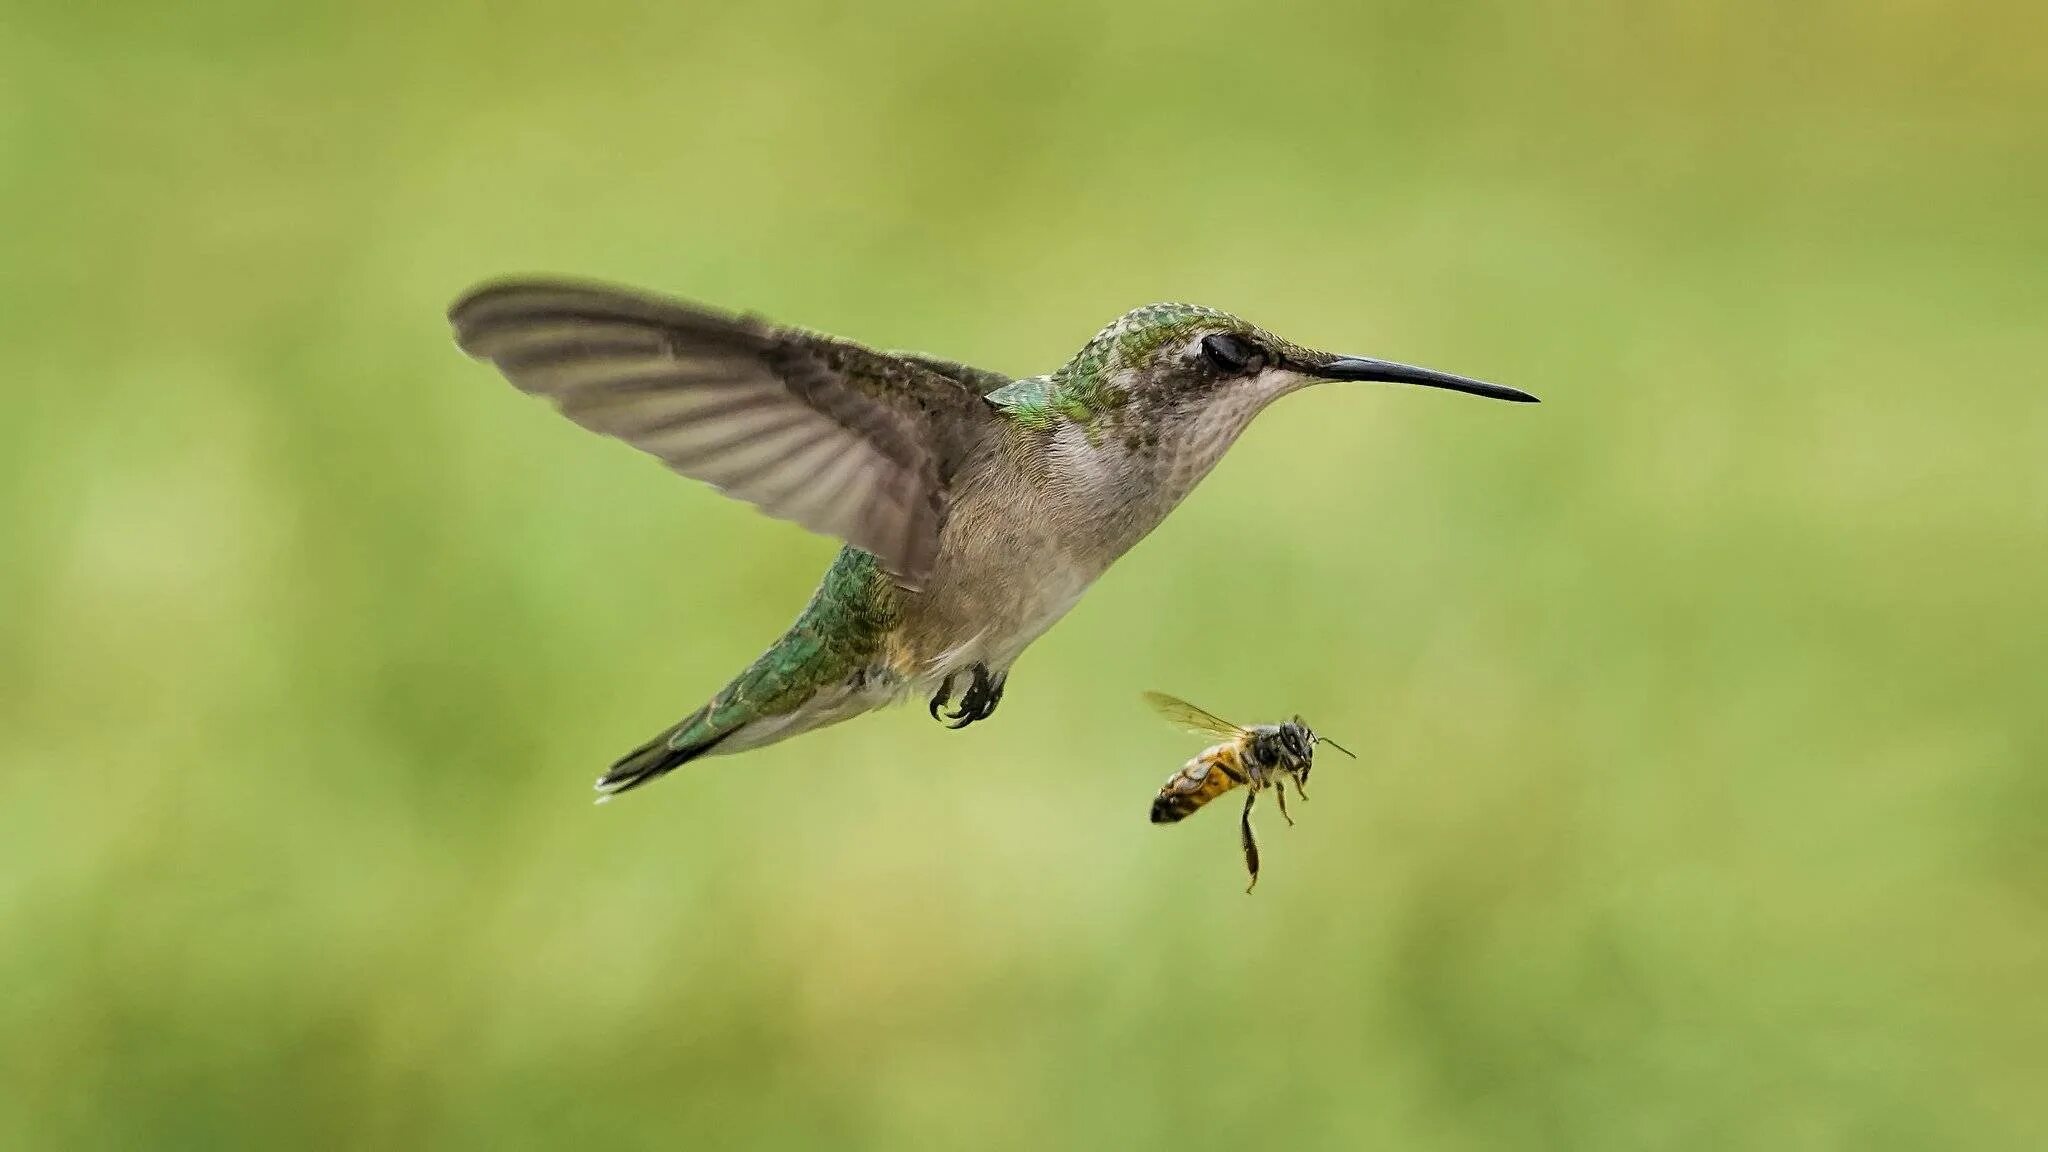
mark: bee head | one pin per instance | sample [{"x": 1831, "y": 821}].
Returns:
[{"x": 1297, "y": 747}]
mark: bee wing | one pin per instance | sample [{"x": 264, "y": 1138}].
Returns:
[{"x": 1201, "y": 723}]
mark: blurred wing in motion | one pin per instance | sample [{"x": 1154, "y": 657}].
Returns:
[
  {"x": 839, "y": 438},
  {"x": 1186, "y": 715}
]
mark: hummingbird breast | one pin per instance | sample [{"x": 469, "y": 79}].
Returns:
[
  {"x": 1005, "y": 573},
  {"x": 1038, "y": 516}
]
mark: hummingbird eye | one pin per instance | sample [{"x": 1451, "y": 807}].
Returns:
[{"x": 1232, "y": 355}]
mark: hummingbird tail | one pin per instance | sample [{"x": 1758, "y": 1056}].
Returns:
[
  {"x": 826, "y": 668},
  {"x": 658, "y": 757}
]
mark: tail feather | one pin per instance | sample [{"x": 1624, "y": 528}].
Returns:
[
  {"x": 834, "y": 645},
  {"x": 658, "y": 757}
]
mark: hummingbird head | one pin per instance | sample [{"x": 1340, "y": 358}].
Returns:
[{"x": 1186, "y": 354}]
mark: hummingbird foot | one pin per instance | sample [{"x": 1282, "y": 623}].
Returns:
[{"x": 984, "y": 692}]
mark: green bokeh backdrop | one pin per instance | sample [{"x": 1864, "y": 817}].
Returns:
[{"x": 1704, "y": 773}]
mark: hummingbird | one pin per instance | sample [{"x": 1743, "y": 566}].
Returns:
[{"x": 975, "y": 508}]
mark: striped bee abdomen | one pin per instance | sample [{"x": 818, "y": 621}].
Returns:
[{"x": 1199, "y": 781}]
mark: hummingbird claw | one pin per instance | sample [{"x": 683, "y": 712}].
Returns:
[{"x": 979, "y": 702}]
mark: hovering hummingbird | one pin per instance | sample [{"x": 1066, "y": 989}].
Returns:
[{"x": 975, "y": 508}]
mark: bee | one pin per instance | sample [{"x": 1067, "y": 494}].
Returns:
[{"x": 1262, "y": 756}]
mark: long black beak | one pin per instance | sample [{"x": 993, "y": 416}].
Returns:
[{"x": 1389, "y": 372}]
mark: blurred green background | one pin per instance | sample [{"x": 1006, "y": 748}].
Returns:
[{"x": 1701, "y": 710}]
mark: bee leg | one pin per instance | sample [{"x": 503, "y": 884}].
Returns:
[
  {"x": 1280, "y": 794},
  {"x": 1251, "y": 842},
  {"x": 1299, "y": 790}
]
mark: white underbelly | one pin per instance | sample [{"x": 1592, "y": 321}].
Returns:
[
  {"x": 987, "y": 611},
  {"x": 1054, "y": 597}
]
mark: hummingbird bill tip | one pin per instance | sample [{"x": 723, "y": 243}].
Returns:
[{"x": 1365, "y": 368}]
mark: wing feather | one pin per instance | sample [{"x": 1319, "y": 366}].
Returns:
[{"x": 842, "y": 439}]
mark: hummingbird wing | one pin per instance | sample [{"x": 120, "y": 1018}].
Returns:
[
  {"x": 982, "y": 380},
  {"x": 839, "y": 438}
]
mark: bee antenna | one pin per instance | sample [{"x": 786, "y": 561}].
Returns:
[{"x": 1332, "y": 743}]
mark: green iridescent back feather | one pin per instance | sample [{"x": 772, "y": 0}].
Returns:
[{"x": 838, "y": 636}]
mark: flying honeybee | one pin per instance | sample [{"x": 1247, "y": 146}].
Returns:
[{"x": 1262, "y": 756}]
